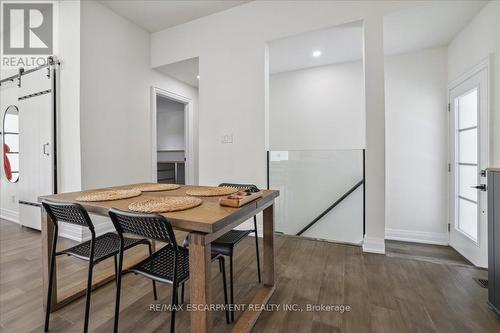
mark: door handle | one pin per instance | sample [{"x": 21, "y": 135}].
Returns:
[
  {"x": 45, "y": 146},
  {"x": 481, "y": 187}
]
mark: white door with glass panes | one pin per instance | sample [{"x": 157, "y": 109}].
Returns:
[{"x": 468, "y": 159}]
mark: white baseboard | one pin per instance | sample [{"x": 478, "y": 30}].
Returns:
[
  {"x": 417, "y": 236},
  {"x": 71, "y": 231},
  {"x": 82, "y": 234},
  {"x": 374, "y": 245},
  {"x": 9, "y": 215},
  {"x": 100, "y": 229}
]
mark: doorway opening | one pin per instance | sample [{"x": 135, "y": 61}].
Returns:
[
  {"x": 172, "y": 138},
  {"x": 174, "y": 118}
]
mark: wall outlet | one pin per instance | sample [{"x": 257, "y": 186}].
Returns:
[
  {"x": 13, "y": 198},
  {"x": 227, "y": 138}
]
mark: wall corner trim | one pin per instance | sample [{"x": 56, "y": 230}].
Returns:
[{"x": 374, "y": 245}]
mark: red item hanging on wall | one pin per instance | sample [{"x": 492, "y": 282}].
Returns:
[{"x": 6, "y": 162}]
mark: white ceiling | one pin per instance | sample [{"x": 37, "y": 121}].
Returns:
[
  {"x": 429, "y": 24},
  {"x": 185, "y": 71},
  {"x": 340, "y": 44},
  {"x": 156, "y": 15}
]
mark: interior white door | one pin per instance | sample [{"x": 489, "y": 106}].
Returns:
[
  {"x": 469, "y": 154},
  {"x": 36, "y": 156}
]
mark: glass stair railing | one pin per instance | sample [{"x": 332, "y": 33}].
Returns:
[{"x": 321, "y": 193}]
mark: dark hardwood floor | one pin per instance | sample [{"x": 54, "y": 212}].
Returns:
[{"x": 414, "y": 288}]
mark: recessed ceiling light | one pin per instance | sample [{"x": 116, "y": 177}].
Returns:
[
  {"x": 198, "y": 77},
  {"x": 316, "y": 53}
]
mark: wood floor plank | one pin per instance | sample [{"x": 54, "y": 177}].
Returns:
[
  {"x": 356, "y": 292},
  {"x": 331, "y": 289}
]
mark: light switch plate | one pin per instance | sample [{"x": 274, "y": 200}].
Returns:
[
  {"x": 227, "y": 138},
  {"x": 277, "y": 156}
]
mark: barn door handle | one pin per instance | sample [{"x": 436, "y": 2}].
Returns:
[
  {"x": 45, "y": 146},
  {"x": 481, "y": 187}
]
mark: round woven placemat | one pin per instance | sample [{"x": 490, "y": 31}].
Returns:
[
  {"x": 108, "y": 195},
  {"x": 152, "y": 187},
  {"x": 211, "y": 191},
  {"x": 164, "y": 204}
]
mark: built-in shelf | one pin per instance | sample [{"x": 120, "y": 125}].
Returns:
[{"x": 171, "y": 172}]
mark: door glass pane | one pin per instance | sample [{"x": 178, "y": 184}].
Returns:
[
  {"x": 467, "y": 109},
  {"x": 12, "y": 140},
  {"x": 467, "y": 146},
  {"x": 467, "y": 152},
  {"x": 14, "y": 165},
  {"x": 467, "y": 177},
  {"x": 467, "y": 220},
  {"x": 11, "y": 122}
]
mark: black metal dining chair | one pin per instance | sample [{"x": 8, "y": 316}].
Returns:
[
  {"x": 170, "y": 264},
  {"x": 225, "y": 244},
  {"x": 97, "y": 249}
]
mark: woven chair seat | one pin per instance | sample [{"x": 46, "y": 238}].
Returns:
[
  {"x": 160, "y": 265},
  {"x": 225, "y": 243},
  {"x": 106, "y": 246}
]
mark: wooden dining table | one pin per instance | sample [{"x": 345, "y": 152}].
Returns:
[{"x": 205, "y": 224}]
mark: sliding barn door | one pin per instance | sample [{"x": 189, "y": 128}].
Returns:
[{"x": 36, "y": 144}]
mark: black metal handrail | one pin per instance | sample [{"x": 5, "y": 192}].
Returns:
[{"x": 326, "y": 211}]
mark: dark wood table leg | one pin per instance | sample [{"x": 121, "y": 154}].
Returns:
[
  {"x": 199, "y": 276},
  {"x": 269, "y": 249},
  {"x": 250, "y": 316}
]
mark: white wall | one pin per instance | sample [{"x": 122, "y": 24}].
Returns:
[
  {"x": 69, "y": 173},
  {"x": 322, "y": 108},
  {"x": 317, "y": 114},
  {"x": 375, "y": 204},
  {"x": 170, "y": 125},
  {"x": 232, "y": 48},
  {"x": 417, "y": 145},
  {"x": 319, "y": 108},
  {"x": 116, "y": 80},
  {"x": 479, "y": 39}
]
